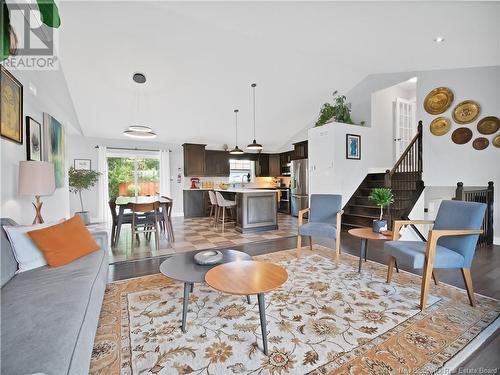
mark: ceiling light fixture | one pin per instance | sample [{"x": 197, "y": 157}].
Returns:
[
  {"x": 439, "y": 39},
  {"x": 236, "y": 150},
  {"x": 139, "y": 134},
  {"x": 413, "y": 80},
  {"x": 139, "y": 131},
  {"x": 254, "y": 145}
]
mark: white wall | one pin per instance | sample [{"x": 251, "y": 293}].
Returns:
[
  {"x": 331, "y": 172},
  {"x": 84, "y": 148},
  {"x": 53, "y": 98},
  {"x": 446, "y": 163}
]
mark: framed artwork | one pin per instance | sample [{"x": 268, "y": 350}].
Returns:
[
  {"x": 353, "y": 146},
  {"x": 11, "y": 107},
  {"x": 33, "y": 139},
  {"x": 85, "y": 164},
  {"x": 53, "y": 146}
]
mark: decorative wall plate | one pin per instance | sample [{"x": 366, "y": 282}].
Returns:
[
  {"x": 438, "y": 100},
  {"x": 480, "y": 143},
  {"x": 461, "y": 136},
  {"x": 466, "y": 111},
  {"x": 440, "y": 126},
  {"x": 488, "y": 125},
  {"x": 496, "y": 141}
]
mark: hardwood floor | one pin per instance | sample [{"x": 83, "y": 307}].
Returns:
[{"x": 485, "y": 275}]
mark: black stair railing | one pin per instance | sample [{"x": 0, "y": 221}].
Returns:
[{"x": 483, "y": 195}]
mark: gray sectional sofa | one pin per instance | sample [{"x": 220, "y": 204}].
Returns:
[{"x": 49, "y": 316}]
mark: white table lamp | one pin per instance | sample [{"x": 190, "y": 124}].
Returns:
[{"x": 36, "y": 178}]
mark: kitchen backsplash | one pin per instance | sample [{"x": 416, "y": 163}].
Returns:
[{"x": 258, "y": 182}]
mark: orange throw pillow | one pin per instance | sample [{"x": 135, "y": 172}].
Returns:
[{"x": 63, "y": 243}]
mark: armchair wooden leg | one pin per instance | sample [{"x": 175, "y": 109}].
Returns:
[
  {"x": 468, "y": 284},
  {"x": 299, "y": 244},
  {"x": 390, "y": 269},
  {"x": 310, "y": 242},
  {"x": 426, "y": 280},
  {"x": 337, "y": 250},
  {"x": 435, "y": 277}
]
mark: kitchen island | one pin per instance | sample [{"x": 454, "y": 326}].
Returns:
[{"x": 256, "y": 209}]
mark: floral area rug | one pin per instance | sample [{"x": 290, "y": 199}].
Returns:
[{"x": 324, "y": 319}]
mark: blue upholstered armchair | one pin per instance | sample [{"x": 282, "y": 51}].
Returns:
[
  {"x": 325, "y": 215},
  {"x": 450, "y": 244}
]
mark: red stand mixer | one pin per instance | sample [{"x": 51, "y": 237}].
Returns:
[{"x": 195, "y": 183}]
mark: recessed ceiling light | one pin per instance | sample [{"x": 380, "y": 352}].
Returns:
[
  {"x": 139, "y": 134},
  {"x": 139, "y": 128},
  {"x": 439, "y": 39}
]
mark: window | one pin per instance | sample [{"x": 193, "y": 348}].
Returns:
[{"x": 239, "y": 170}]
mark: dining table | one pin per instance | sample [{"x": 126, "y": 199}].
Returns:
[{"x": 125, "y": 203}]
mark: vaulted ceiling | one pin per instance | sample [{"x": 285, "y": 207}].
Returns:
[{"x": 200, "y": 59}]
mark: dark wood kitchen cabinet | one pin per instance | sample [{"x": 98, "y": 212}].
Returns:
[
  {"x": 262, "y": 165},
  {"x": 194, "y": 159},
  {"x": 216, "y": 163},
  {"x": 300, "y": 150},
  {"x": 196, "y": 203},
  {"x": 274, "y": 165}
]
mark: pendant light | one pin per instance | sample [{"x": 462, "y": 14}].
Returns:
[
  {"x": 236, "y": 150},
  {"x": 139, "y": 131},
  {"x": 254, "y": 145}
]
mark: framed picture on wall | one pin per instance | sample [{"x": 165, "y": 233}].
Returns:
[
  {"x": 53, "y": 146},
  {"x": 85, "y": 164},
  {"x": 33, "y": 140},
  {"x": 353, "y": 146},
  {"x": 11, "y": 107}
]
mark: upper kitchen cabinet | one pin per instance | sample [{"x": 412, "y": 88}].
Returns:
[
  {"x": 262, "y": 165},
  {"x": 300, "y": 150},
  {"x": 274, "y": 165},
  {"x": 194, "y": 159},
  {"x": 216, "y": 163}
]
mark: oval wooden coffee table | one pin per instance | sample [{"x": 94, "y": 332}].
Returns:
[
  {"x": 368, "y": 234},
  {"x": 246, "y": 278}
]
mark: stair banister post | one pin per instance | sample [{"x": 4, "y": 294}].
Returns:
[
  {"x": 387, "y": 178},
  {"x": 459, "y": 191},
  {"x": 489, "y": 212},
  {"x": 419, "y": 145}
]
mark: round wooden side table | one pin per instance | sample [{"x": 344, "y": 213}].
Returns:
[
  {"x": 246, "y": 278},
  {"x": 366, "y": 234}
]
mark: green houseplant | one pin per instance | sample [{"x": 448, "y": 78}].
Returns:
[
  {"x": 382, "y": 197},
  {"x": 79, "y": 180},
  {"x": 339, "y": 111}
]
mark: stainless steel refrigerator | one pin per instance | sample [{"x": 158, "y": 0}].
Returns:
[{"x": 300, "y": 185}]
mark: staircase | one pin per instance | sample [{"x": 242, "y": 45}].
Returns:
[{"x": 405, "y": 180}]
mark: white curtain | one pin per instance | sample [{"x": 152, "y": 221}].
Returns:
[
  {"x": 102, "y": 187},
  {"x": 165, "y": 173}
]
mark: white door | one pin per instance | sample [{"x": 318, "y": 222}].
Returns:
[{"x": 404, "y": 126}]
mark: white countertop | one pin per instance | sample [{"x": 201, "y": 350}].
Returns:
[{"x": 242, "y": 191}]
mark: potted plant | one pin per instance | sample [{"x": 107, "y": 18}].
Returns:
[
  {"x": 79, "y": 180},
  {"x": 339, "y": 111},
  {"x": 382, "y": 197}
]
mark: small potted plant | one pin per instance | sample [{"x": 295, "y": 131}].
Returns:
[
  {"x": 79, "y": 180},
  {"x": 382, "y": 197}
]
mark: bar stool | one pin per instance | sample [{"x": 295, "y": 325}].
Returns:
[
  {"x": 213, "y": 207},
  {"x": 145, "y": 220},
  {"x": 222, "y": 204}
]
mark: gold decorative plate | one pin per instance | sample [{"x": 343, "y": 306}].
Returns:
[
  {"x": 488, "y": 125},
  {"x": 496, "y": 141},
  {"x": 480, "y": 143},
  {"x": 438, "y": 100},
  {"x": 466, "y": 111},
  {"x": 440, "y": 126},
  {"x": 461, "y": 136}
]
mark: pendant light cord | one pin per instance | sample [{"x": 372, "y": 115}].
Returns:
[
  {"x": 253, "y": 85},
  {"x": 236, "y": 120}
]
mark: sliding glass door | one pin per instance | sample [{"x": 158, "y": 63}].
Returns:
[{"x": 132, "y": 174}]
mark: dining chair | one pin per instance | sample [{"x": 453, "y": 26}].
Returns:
[
  {"x": 167, "y": 224},
  {"x": 325, "y": 215},
  {"x": 127, "y": 219},
  {"x": 451, "y": 243},
  {"x": 213, "y": 208},
  {"x": 223, "y": 204},
  {"x": 145, "y": 220}
]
